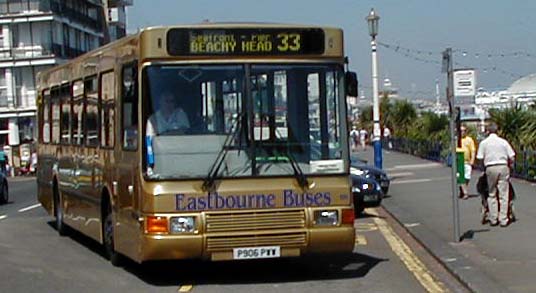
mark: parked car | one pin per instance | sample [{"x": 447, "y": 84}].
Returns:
[
  {"x": 360, "y": 167},
  {"x": 367, "y": 193},
  {"x": 4, "y": 190}
]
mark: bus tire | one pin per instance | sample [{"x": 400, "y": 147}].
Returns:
[
  {"x": 108, "y": 236},
  {"x": 58, "y": 212}
]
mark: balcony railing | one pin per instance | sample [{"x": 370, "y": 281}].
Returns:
[
  {"x": 29, "y": 6},
  {"x": 22, "y": 101},
  {"x": 39, "y": 51}
]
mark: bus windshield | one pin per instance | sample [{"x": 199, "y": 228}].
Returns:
[{"x": 261, "y": 117}]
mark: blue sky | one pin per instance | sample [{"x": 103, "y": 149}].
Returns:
[{"x": 497, "y": 37}]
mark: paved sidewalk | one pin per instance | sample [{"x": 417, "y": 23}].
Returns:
[{"x": 488, "y": 259}]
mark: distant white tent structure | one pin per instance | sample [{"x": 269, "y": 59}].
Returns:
[{"x": 523, "y": 90}]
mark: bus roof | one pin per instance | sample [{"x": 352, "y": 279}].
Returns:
[{"x": 157, "y": 42}]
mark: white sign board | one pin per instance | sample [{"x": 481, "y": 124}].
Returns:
[{"x": 464, "y": 83}]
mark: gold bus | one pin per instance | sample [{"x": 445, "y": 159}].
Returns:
[{"x": 209, "y": 141}]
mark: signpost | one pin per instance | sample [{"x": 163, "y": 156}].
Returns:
[{"x": 447, "y": 67}]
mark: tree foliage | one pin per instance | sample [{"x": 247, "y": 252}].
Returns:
[{"x": 510, "y": 122}]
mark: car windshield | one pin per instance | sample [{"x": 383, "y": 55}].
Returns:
[{"x": 262, "y": 120}]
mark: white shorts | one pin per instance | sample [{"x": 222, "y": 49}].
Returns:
[{"x": 467, "y": 171}]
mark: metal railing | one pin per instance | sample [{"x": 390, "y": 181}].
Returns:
[
  {"x": 39, "y": 51},
  {"x": 524, "y": 165},
  {"x": 424, "y": 149}
]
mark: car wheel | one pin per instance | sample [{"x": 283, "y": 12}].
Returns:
[
  {"x": 359, "y": 210},
  {"x": 108, "y": 234},
  {"x": 4, "y": 197},
  {"x": 58, "y": 212}
]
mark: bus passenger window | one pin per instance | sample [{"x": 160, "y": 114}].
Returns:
[
  {"x": 65, "y": 121},
  {"x": 107, "y": 84},
  {"x": 92, "y": 111},
  {"x": 129, "y": 92}
]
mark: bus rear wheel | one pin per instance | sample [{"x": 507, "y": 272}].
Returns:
[
  {"x": 58, "y": 212},
  {"x": 108, "y": 234}
]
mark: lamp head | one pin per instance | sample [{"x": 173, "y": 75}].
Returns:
[{"x": 373, "y": 19}]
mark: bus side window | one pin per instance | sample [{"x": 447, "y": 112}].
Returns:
[
  {"x": 107, "y": 108},
  {"x": 129, "y": 100},
  {"x": 45, "y": 117}
]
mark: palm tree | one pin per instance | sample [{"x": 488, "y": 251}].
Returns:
[
  {"x": 510, "y": 122},
  {"x": 386, "y": 109},
  {"x": 365, "y": 117},
  {"x": 403, "y": 114},
  {"x": 527, "y": 136}
]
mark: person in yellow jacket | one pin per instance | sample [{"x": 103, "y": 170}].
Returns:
[{"x": 469, "y": 150}]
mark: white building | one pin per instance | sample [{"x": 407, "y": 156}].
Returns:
[
  {"x": 36, "y": 35},
  {"x": 117, "y": 17}
]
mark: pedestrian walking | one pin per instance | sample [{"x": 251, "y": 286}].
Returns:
[
  {"x": 3, "y": 163},
  {"x": 363, "y": 134},
  {"x": 354, "y": 135},
  {"x": 497, "y": 155},
  {"x": 387, "y": 137},
  {"x": 468, "y": 147}
]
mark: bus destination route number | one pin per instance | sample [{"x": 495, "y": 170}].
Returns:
[{"x": 192, "y": 42}]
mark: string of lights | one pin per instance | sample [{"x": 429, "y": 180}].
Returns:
[
  {"x": 416, "y": 54},
  {"x": 462, "y": 52}
]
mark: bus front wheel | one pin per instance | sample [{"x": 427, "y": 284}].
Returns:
[{"x": 108, "y": 233}]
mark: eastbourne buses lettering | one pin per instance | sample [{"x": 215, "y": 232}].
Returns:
[
  {"x": 268, "y": 41},
  {"x": 213, "y": 201}
]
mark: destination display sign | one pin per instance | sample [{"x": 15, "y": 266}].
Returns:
[{"x": 234, "y": 41}]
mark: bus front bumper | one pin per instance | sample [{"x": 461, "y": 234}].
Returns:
[{"x": 315, "y": 241}]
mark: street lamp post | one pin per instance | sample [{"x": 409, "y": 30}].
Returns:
[{"x": 372, "y": 20}]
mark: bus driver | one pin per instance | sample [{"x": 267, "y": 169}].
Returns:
[{"x": 168, "y": 117}]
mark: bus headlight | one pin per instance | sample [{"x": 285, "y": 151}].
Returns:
[
  {"x": 182, "y": 224},
  {"x": 326, "y": 218}
]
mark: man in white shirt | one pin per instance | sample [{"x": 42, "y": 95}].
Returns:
[
  {"x": 354, "y": 135},
  {"x": 363, "y": 134},
  {"x": 168, "y": 117},
  {"x": 497, "y": 155}
]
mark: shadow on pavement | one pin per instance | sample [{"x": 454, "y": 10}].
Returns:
[
  {"x": 166, "y": 273},
  {"x": 82, "y": 239},
  {"x": 178, "y": 272},
  {"x": 471, "y": 233}
]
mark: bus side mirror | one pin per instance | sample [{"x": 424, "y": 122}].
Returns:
[{"x": 351, "y": 84}]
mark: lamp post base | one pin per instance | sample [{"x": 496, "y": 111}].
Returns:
[{"x": 378, "y": 160}]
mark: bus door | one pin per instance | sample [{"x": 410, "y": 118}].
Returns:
[
  {"x": 66, "y": 155},
  {"x": 128, "y": 171}
]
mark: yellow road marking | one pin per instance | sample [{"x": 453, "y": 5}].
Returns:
[
  {"x": 185, "y": 288},
  {"x": 366, "y": 227},
  {"x": 405, "y": 254},
  {"x": 360, "y": 240}
]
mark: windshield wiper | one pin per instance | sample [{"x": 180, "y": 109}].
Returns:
[
  {"x": 298, "y": 172},
  {"x": 236, "y": 128}
]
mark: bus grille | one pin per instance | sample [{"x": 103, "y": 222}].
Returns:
[
  {"x": 254, "y": 221},
  {"x": 229, "y": 242}
]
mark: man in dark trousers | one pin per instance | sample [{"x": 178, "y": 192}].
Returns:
[{"x": 497, "y": 155}]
